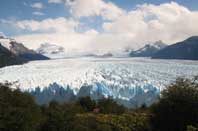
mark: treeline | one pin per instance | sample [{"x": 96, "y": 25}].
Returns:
[{"x": 176, "y": 110}]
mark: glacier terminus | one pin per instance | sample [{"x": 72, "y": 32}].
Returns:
[{"x": 130, "y": 81}]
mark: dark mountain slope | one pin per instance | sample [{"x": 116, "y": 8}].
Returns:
[
  {"x": 148, "y": 50},
  {"x": 8, "y": 58},
  {"x": 187, "y": 50},
  {"x": 12, "y": 53},
  {"x": 25, "y": 53}
]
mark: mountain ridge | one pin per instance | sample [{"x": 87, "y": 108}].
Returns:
[
  {"x": 12, "y": 52},
  {"x": 186, "y": 50},
  {"x": 148, "y": 50}
]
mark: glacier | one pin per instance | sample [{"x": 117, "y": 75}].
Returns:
[{"x": 130, "y": 81}]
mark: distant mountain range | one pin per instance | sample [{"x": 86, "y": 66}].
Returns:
[
  {"x": 148, "y": 50},
  {"x": 47, "y": 48},
  {"x": 12, "y": 52},
  {"x": 187, "y": 49},
  {"x": 52, "y": 50},
  {"x": 105, "y": 55}
]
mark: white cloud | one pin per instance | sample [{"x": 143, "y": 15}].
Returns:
[
  {"x": 55, "y": 1},
  {"x": 48, "y": 25},
  {"x": 37, "y": 5},
  {"x": 87, "y": 8},
  {"x": 92, "y": 32},
  {"x": 73, "y": 42},
  {"x": 169, "y": 22},
  {"x": 38, "y": 13}
]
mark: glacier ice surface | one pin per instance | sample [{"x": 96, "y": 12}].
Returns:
[{"x": 125, "y": 79}]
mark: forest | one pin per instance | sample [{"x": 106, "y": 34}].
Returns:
[{"x": 176, "y": 110}]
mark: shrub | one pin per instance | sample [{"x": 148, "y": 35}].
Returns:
[
  {"x": 18, "y": 111},
  {"x": 109, "y": 106},
  {"x": 110, "y": 122},
  {"x": 191, "y": 128},
  {"x": 177, "y": 107},
  {"x": 86, "y": 103}
]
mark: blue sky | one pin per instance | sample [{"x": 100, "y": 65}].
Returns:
[
  {"x": 102, "y": 23},
  {"x": 128, "y": 4},
  {"x": 20, "y": 9}
]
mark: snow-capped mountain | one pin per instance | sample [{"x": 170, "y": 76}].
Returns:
[
  {"x": 8, "y": 58},
  {"x": 51, "y": 50},
  {"x": 13, "y": 46},
  {"x": 148, "y": 50},
  {"x": 13, "y": 52}
]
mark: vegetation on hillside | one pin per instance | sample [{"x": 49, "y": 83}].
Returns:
[{"x": 176, "y": 110}]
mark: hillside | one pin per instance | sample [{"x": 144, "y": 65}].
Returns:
[
  {"x": 12, "y": 52},
  {"x": 8, "y": 58},
  {"x": 187, "y": 49},
  {"x": 148, "y": 50}
]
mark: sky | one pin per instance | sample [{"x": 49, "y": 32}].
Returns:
[{"x": 98, "y": 25}]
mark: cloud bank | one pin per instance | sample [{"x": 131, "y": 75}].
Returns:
[{"x": 169, "y": 22}]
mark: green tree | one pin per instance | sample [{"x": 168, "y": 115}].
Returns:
[
  {"x": 86, "y": 103},
  {"x": 191, "y": 128},
  {"x": 18, "y": 111},
  {"x": 177, "y": 107},
  {"x": 110, "y": 106},
  {"x": 54, "y": 118},
  {"x": 88, "y": 122},
  {"x": 111, "y": 122}
]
